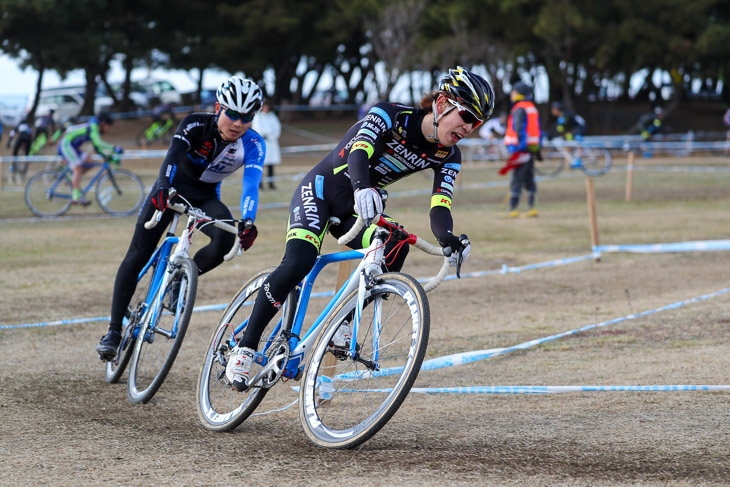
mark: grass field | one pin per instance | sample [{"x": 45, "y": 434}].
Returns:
[{"x": 65, "y": 426}]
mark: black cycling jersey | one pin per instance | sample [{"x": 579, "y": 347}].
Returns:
[
  {"x": 196, "y": 163},
  {"x": 385, "y": 146}
]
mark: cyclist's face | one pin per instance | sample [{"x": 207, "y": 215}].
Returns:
[
  {"x": 230, "y": 130},
  {"x": 452, "y": 128}
]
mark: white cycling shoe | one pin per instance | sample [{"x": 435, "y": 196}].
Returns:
[
  {"x": 238, "y": 368},
  {"x": 343, "y": 336}
]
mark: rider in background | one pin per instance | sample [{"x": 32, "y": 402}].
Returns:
[
  {"x": 45, "y": 126},
  {"x": 206, "y": 148},
  {"x": 20, "y": 138},
  {"x": 650, "y": 124},
  {"x": 568, "y": 125},
  {"x": 523, "y": 139},
  {"x": 69, "y": 147},
  {"x": 391, "y": 142},
  {"x": 493, "y": 129}
]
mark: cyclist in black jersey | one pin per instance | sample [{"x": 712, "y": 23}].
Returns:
[
  {"x": 391, "y": 142},
  {"x": 206, "y": 148}
]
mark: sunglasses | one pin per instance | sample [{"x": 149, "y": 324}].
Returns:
[
  {"x": 234, "y": 115},
  {"x": 466, "y": 115}
]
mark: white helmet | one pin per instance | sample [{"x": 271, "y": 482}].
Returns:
[{"x": 241, "y": 95}]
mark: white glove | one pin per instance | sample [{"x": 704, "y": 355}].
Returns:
[
  {"x": 368, "y": 203},
  {"x": 464, "y": 255}
]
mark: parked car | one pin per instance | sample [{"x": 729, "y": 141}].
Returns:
[
  {"x": 67, "y": 103},
  {"x": 10, "y": 117},
  {"x": 163, "y": 91}
]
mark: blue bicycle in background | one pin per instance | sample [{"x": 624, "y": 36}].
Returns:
[
  {"x": 348, "y": 392},
  {"x": 118, "y": 192},
  {"x": 159, "y": 312}
]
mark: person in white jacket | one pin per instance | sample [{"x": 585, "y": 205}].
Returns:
[{"x": 268, "y": 126}]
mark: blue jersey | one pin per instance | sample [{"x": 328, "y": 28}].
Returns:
[{"x": 199, "y": 157}]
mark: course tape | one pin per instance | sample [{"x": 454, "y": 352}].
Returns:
[
  {"x": 465, "y": 358},
  {"x": 559, "y": 389},
  {"x": 221, "y": 306},
  {"x": 697, "y": 246}
]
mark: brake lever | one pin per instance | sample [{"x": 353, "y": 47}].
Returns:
[{"x": 464, "y": 242}]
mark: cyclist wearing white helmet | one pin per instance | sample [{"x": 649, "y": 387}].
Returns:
[
  {"x": 391, "y": 142},
  {"x": 206, "y": 148}
]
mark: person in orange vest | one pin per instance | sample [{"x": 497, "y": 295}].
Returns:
[{"x": 522, "y": 139}]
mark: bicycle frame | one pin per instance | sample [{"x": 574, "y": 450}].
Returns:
[
  {"x": 368, "y": 266},
  {"x": 67, "y": 172}
]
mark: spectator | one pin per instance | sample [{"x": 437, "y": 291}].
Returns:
[
  {"x": 268, "y": 126},
  {"x": 522, "y": 139}
]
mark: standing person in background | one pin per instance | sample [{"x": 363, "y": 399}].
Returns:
[
  {"x": 522, "y": 139},
  {"x": 268, "y": 126}
]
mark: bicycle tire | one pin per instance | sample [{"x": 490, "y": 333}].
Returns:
[
  {"x": 345, "y": 404},
  {"x": 120, "y": 192},
  {"x": 596, "y": 162},
  {"x": 39, "y": 198},
  {"x": 551, "y": 165},
  {"x": 158, "y": 343},
  {"x": 135, "y": 310},
  {"x": 220, "y": 408}
]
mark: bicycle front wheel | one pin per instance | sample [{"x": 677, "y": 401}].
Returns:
[
  {"x": 120, "y": 192},
  {"x": 596, "y": 162},
  {"x": 135, "y": 311},
  {"x": 551, "y": 165},
  {"x": 48, "y": 193},
  {"x": 162, "y": 335},
  {"x": 220, "y": 408},
  {"x": 344, "y": 400}
]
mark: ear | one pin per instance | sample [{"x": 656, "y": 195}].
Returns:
[{"x": 441, "y": 104}]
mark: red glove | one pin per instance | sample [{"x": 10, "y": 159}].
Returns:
[
  {"x": 159, "y": 197},
  {"x": 247, "y": 235},
  {"x": 515, "y": 160}
]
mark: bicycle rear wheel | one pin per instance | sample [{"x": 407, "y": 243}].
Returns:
[
  {"x": 120, "y": 192},
  {"x": 48, "y": 193},
  {"x": 344, "y": 402},
  {"x": 220, "y": 408},
  {"x": 136, "y": 309},
  {"x": 596, "y": 162},
  {"x": 551, "y": 165},
  {"x": 160, "y": 339}
]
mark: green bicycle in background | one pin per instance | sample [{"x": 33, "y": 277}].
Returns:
[{"x": 160, "y": 130}]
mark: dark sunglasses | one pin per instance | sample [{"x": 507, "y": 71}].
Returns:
[
  {"x": 234, "y": 115},
  {"x": 466, "y": 115}
]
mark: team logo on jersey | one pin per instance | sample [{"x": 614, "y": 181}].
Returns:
[
  {"x": 207, "y": 147},
  {"x": 441, "y": 154}
]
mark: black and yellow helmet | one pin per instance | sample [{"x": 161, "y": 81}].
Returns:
[{"x": 470, "y": 90}]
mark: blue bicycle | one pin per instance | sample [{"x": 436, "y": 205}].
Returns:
[
  {"x": 348, "y": 393},
  {"x": 160, "y": 310},
  {"x": 119, "y": 192}
]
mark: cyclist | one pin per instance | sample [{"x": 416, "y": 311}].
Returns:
[
  {"x": 651, "y": 123},
  {"x": 568, "y": 125},
  {"x": 494, "y": 129},
  {"x": 206, "y": 148},
  {"x": 522, "y": 139},
  {"x": 69, "y": 147},
  {"x": 45, "y": 126},
  {"x": 20, "y": 138},
  {"x": 391, "y": 142}
]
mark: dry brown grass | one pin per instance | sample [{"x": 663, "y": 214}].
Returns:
[{"x": 63, "y": 425}]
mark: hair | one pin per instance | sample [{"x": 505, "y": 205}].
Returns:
[{"x": 429, "y": 98}]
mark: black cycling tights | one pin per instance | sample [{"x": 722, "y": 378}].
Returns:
[
  {"x": 298, "y": 260},
  {"x": 145, "y": 241}
]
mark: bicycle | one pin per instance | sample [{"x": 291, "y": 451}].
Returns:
[
  {"x": 593, "y": 162},
  {"x": 159, "y": 130},
  {"x": 160, "y": 310},
  {"x": 118, "y": 192},
  {"x": 349, "y": 393}
]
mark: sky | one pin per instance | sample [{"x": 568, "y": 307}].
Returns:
[{"x": 17, "y": 86}]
